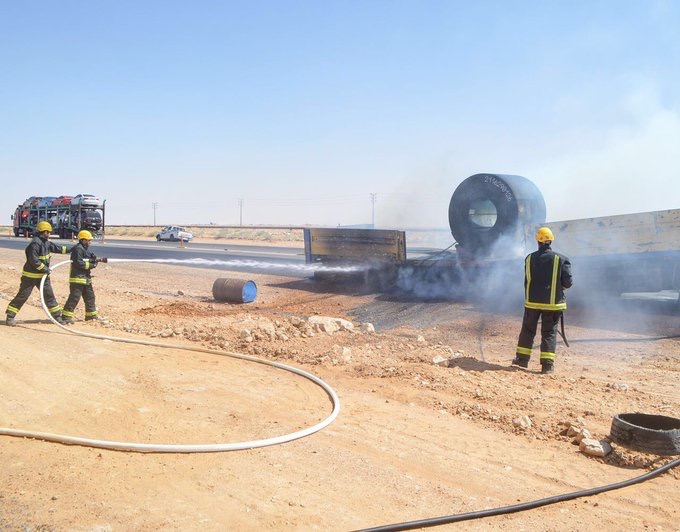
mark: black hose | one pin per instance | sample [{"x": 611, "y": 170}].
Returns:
[
  {"x": 433, "y": 255},
  {"x": 436, "y": 521},
  {"x": 562, "y": 333},
  {"x": 624, "y": 340}
]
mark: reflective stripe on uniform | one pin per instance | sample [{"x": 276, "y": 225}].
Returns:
[
  {"x": 547, "y": 356},
  {"x": 546, "y": 306},
  {"x": 527, "y": 273},
  {"x": 553, "y": 284},
  {"x": 68, "y": 314},
  {"x": 32, "y": 275},
  {"x": 54, "y": 310},
  {"x": 90, "y": 314},
  {"x": 10, "y": 308},
  {"x": 78, "y": 280},
  {"x": 523, "y": 350}
]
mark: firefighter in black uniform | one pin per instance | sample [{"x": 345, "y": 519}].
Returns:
[
  {"x": 546, "y": 275},
  {"x": 80, "y": 279},
  {"x": 37, "y": 265}
]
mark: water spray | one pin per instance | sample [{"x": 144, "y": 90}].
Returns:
[{"x": 254, "y": 264}]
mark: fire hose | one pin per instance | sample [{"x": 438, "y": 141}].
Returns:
[
  {"x": 436, "y": 521},
  {"x": 657, "y": 441},
  {"x": 179, "y": 448}
]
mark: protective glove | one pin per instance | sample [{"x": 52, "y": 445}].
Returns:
[{"x": 48, "y": 271}]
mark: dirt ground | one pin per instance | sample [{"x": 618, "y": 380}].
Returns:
[{"x": 413, "y": 439}]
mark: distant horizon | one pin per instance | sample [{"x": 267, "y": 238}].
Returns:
[{"x": 359, "y": 225}]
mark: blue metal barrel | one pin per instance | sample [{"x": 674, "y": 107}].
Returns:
[{"x": 234, "y": 290}]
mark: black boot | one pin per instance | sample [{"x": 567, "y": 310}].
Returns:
[
  {"x": 521, "y": 360},
  {"x": 547, "y": 366}
]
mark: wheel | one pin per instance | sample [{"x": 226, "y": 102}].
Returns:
[
  {"x": 16, "y": 232},
  {"x": 158, "y": 238},
  {"x": 648, "y": 433}
]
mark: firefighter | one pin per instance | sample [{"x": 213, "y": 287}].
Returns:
[
  {"x": 546, "y": 275},
  {"x": 37, "y": 266},
  {"x": 80, "y": 279}
]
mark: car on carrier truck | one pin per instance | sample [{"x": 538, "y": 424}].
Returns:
[
  {"x": 86, "y": 200},
  {"x": 173, "y": 233}
]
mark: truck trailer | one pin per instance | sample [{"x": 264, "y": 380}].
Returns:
[{"x": 493, "y": 219}]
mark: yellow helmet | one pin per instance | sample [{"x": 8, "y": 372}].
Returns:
[
  {"x": 43, "y": 226},
  {"x": 543, "y": 235},
  {"x": 84, "y": 235}
]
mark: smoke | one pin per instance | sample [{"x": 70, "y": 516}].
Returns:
[
  {"x": 611, "y": 290},
  {"x": 493, "y": 280},
  {"x": 628, "y": 167}
]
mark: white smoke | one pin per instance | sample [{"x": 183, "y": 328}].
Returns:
[{"x": 633, "y": 168}]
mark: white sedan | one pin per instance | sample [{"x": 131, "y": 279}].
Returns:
[{"x": 174, "y": 233}]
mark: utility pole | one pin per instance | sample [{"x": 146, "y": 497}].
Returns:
[
  {"x": 240, "y": 211},
  {"x": 374, "y": 197},
  {"x": 155, "y": 206}
]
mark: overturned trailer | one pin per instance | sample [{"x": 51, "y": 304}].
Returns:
[{"x": 493, "y": 219}]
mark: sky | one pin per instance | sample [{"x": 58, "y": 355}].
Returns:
[{"x": 337, "y": 112}]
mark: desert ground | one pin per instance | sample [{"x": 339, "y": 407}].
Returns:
[{"x": 433, "y": 420}]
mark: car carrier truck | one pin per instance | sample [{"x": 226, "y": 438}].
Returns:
[{"x": 66, "y": 218}]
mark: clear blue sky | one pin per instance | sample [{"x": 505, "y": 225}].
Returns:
[{"x": 303, "y": 109}]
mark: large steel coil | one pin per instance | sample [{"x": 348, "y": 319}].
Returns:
[{"x": 491, "y": 210}]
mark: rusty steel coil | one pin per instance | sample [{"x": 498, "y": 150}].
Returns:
[{"x": 490, "y": 210}]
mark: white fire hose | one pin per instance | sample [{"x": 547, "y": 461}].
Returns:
[{"x": 179, "y": 448}]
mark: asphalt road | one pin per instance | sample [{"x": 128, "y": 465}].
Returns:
[
  {"x": 284, "y": 261},
  {"x": 246, "y": 258}
]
